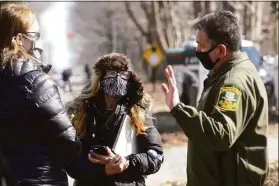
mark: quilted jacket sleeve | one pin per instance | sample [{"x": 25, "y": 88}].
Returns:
[{"x": 53, "y": 122}]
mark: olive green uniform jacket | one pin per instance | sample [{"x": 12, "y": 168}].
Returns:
[{"x": 228, "y": 131}]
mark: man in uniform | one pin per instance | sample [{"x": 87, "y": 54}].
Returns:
[{"x": 227, "y": 132}]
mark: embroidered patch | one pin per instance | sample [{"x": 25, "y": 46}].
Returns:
[{"x": 228, "y": 98}]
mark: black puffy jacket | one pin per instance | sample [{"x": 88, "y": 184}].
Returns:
[
  {"x": 147, "y": 161},
  {"x": 36, "y": 134}
]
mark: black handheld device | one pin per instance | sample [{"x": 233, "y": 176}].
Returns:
[{"x": 99, "y": 149}]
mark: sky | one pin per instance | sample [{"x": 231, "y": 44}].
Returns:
[{"x": 54, "y": 29}]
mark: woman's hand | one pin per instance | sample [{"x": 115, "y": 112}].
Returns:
[
  {"x": 114, "y": 164},
  {"x": 117, "y": 165},
  {"x": 101, "y": 159}
]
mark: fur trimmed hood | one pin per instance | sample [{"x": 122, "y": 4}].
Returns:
[{"x": 112, "y": 61}]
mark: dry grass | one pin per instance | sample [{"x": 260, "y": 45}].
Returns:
[
  {"x": 159, "y": 103},
  {"x": 173, "y": 139},
  {"x": 272, "y": 179}
]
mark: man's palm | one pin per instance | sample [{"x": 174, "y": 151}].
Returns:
[{"x": 170, "y": 91}]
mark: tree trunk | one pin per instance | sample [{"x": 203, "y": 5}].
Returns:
[
  {"x": 197, "y": 8},
  {"x": 203, "y": 8},
  {"x": 213, "y": 6},
  {"x": 259, "y": 15},
  {"x": 256, "y": 31},
  {"x": 228, "y": 6},
  {"x": 245, "y": 21},
  {"x": 249, "y": 21},
  {"x": 207, "y": 5}
]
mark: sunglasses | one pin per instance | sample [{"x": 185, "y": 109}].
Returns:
[
  {"x": 33, "y": 35},
  {"x": 122, "y": 74}
]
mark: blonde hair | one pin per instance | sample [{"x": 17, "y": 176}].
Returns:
[
  {"x": 77, "y": 108},
  {"x": 14, "y": 18}
]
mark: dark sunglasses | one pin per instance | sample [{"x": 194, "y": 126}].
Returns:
[{"x": 122, "y": 74}]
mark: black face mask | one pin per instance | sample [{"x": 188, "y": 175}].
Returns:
[
  {"x": 205, "y": 59},
  {"x": 116, "y": 87}
]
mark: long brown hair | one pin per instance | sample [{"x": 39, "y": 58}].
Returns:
[
  {"x": 14, "y": 18},
  {"x": 77, "y": 110}
]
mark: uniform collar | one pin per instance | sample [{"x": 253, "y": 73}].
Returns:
[{"x": 234, "y": 60}]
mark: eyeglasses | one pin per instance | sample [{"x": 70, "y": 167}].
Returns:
[
  {"x": 122, "y": 74},
  {"x": 33, "y": 35}
]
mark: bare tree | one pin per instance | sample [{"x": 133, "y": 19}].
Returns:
[
  {"x": 84, "y": 26},
  {"x": 102, "y": 27},
  {"x": 275, "y": 16},
  {"x": 161, "y": 24}
]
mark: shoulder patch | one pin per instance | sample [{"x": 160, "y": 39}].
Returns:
[{"x": 228, "y": 98}]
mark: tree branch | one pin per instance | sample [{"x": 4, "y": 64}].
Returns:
[
  {"x": 161, "y": 39},
  {"x": 249, "y": 5},
  {"x": 193, "y": 21},
  {"x": 177, "y": 25},
  {"x": 169, "y": 23},
  {"x": 133, "y": 18},
  {"x": 145, "y": 9}
]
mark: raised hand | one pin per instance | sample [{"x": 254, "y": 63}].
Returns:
[{"x": 170, "y": 91}]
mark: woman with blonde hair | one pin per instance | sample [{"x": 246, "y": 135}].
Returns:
[
  {"x": 36, "y": 135},
  {"x": 115, "y": 92}
]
